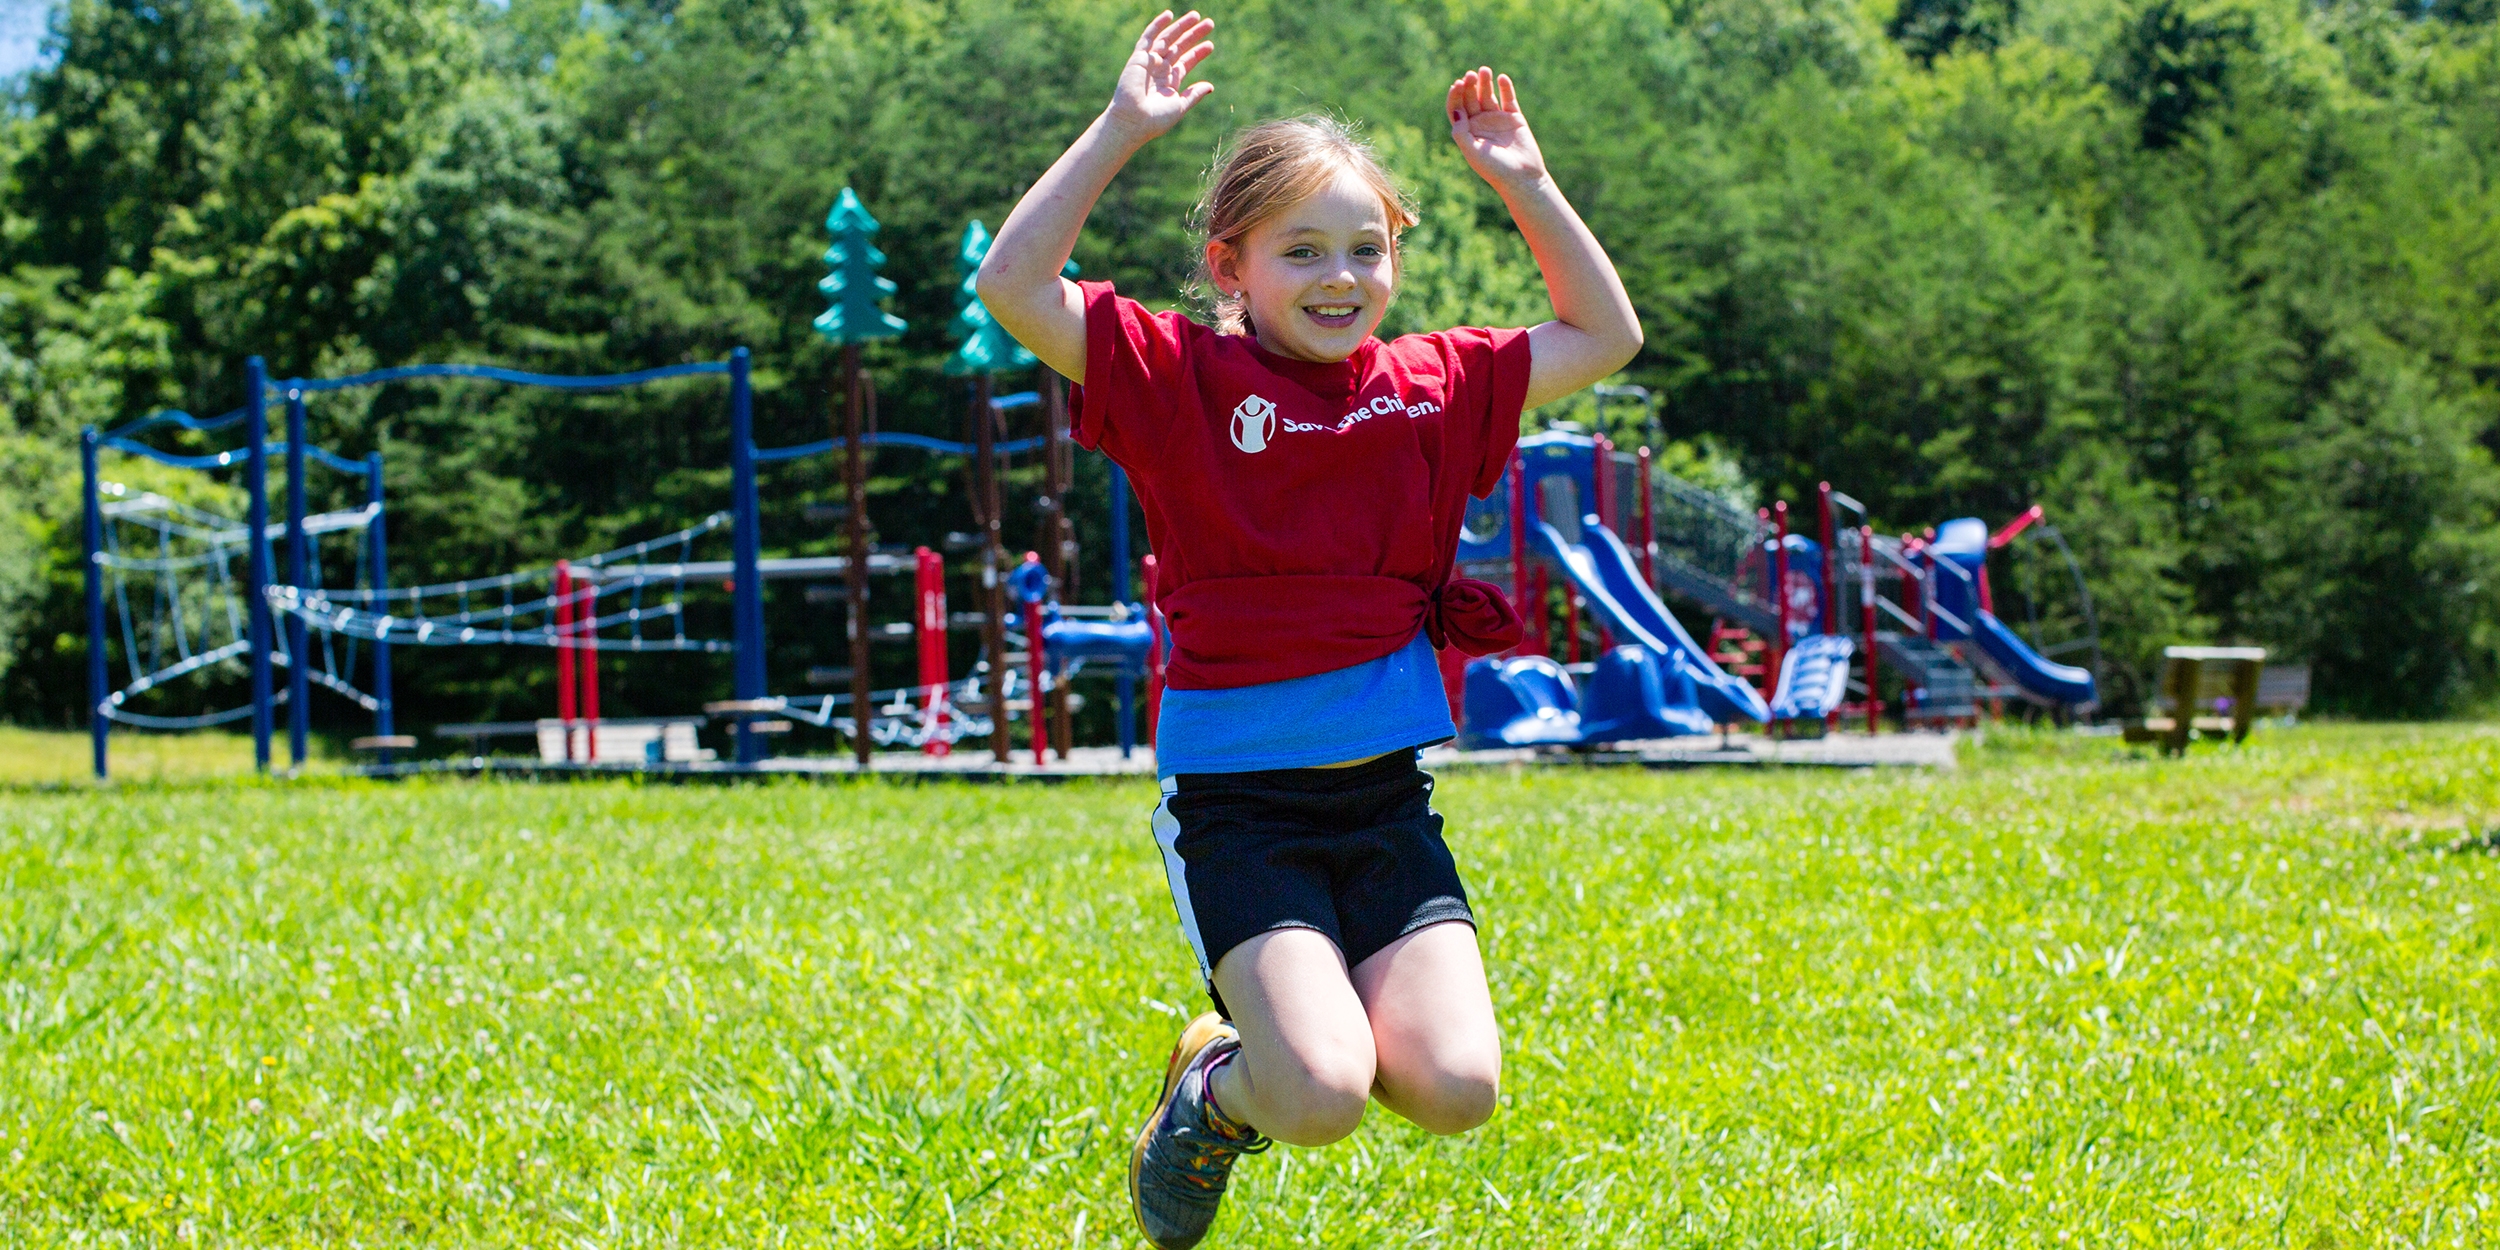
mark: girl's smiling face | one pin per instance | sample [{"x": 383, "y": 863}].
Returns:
[{"x": 1316, "y": 277}]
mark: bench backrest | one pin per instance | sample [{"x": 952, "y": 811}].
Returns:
[{"x": 2283, "y": 687}]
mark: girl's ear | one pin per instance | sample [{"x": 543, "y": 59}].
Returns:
[{"x": 1224, "y": 264}]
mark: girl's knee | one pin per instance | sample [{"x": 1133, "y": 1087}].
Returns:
[
  {"x": 1325, "y": 1105},
  {"x": 1453, "y": 1099}
]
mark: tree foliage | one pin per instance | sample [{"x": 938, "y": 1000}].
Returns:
[{"x": 2217, "y": 281}]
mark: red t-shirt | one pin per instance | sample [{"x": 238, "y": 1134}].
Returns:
[{"x": 1304, "y": 516}]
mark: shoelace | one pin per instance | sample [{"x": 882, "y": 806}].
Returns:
[{"x": 1206, "y": 1158}]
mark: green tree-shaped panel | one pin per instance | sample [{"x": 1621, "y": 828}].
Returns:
[
  {"x": 854, "y": 286},
  {"x": 987, "y": 348}
]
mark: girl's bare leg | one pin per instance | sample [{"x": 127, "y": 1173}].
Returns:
[
  {"x": 1305, "y": 1069},
  {"x": 1438, "y": 1052}
]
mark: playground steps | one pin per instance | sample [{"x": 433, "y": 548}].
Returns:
[
  {"x": 1738, "y": 652},
  {"x": 1949, "y": 690}
]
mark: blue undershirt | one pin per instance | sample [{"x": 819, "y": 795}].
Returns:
[{"x": 1351, "y": 713}]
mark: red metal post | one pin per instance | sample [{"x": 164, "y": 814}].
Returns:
[
  {"x": 1601, "y": 491},
  {"x": 564, "y": 652},
  {"x": 1544, "y": 643},
  {"x": 586, "y": 640},
  {"x": 1914, "y": 587},
  {"x": 1779, "y": 590},
  {"x": 2016, "y": 526},
  {"x": 1830, "y": 622},
  {"x": 929, "y": 621},
  {"x": 1649, "y": 526},
  {"x": 1915, "y": 584},
  {"x": 1519, "y": 541},
  {"x": 1866, "y": 612},
  {"x": 1571, "y": 625}
]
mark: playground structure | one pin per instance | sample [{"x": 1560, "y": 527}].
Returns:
[
  {"x": 1782, "y": 646},
  {"x": 213, "y": 596},
  {"x": 1781, "y": 650},
  {"x": 318, "y": 633},
  {"x": 216, "y": 596}
]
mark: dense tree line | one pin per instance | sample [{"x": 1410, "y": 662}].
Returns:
[{"x": 2217, "y": 281}]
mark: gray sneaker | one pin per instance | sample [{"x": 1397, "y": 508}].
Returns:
[{"x": 1176, "y": 1175}]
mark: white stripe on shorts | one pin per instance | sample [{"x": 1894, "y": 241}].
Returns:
[{"x": 1167, "y": 829}]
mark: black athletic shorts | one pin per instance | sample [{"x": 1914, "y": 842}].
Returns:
[{"x": 1354, "y": 853}]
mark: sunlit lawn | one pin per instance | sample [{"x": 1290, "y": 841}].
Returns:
[
  {"x": 31, "y": 757},
  {"x": 2063, "y": 996}
]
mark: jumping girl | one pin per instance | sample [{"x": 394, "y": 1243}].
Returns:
[{"x": 1303, "y": 484}]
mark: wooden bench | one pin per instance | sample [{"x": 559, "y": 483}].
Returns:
[
  {"x": 2283, "y": 689},
  {"x": 623, "y": 739},
  {"x": 2193, "y": 679}
]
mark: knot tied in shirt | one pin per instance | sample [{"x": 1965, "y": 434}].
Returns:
[{"x": 1472, "y": 616}]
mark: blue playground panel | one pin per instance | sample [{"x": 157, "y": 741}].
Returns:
[
  {"x": 1805, "y": 568},
  {"x": 1125, "y": 642},
  {"x": 1814, "y": 678}
]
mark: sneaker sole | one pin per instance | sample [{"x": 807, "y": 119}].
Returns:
[{"x": 1200, "y": 1033}]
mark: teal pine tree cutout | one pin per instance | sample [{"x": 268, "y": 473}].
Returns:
[
  {"x": 854, "y": 286},
  {"x": 987, "y": 348}
]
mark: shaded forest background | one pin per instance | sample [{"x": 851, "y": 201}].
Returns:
[{"x": 2216, "y": 281}]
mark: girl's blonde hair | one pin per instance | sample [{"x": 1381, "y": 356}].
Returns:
[{"x": 1269, "y": 168}]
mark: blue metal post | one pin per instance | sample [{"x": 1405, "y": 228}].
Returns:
[
  {"x": 746, "y": 553},
  {"x": 98, "y": 725},
  {"x": 381, "y": 578},
  {"x": 256, "y": 561},
  {"x": 1119, "y": 594},
  {"x": 298, "y": 555}
]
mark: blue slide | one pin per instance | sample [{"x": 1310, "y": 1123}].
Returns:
[
  {"x": 1609, "y": 578},
  {"x": 1962, "y": 544},
  {"x": 2039, "y": 676}
]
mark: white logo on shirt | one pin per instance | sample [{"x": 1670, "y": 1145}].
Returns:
[
  {"x": 1254, "y": 422},
  {"x": 1380, "y": 406}
]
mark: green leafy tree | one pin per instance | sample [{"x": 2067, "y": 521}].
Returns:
[{"x": 2210, "y": 279}]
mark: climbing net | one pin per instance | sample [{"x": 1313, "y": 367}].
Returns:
[
  {"x": 909, "y": 716},
  {"x": 176, "y": 594},
  {"x": 177, "y": 600},
  {"x": 527, "y": 607}
]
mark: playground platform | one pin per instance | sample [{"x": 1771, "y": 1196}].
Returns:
[
  {"x": 1919, "y": 750},
  {"x": 1843, "y": 750}
]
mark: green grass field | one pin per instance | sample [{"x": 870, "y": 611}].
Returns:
[
  {"x": 2065, "y": 996},
  {"x": 29, "y": 757}
]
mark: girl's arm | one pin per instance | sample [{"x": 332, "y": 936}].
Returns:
[
  {"x": 1594, "y": 331},
  {"x": 1019, "y": 280}
]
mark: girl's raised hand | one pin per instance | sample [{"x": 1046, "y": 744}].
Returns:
[
  {"x": 1151, "y": 97},
  {"x": 1488, "y": 127}
]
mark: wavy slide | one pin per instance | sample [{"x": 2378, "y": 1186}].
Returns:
[
  {"x": 2039, "y": 677},
  {"x": 1609, "y": 578}
]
